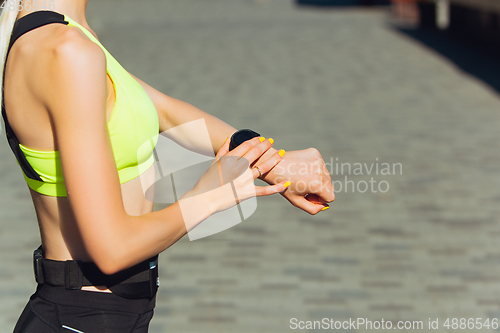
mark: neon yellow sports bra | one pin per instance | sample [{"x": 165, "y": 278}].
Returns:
[{"x": 133, "y": 122}]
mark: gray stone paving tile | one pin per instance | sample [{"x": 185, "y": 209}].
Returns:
[{"x": 343, "y": 81}]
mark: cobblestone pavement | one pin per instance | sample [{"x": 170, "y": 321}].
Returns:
[{"x": 341, "y": 80}]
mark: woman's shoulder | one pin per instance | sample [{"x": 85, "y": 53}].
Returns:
[
  {"x": 53, "y": 46},
  {"x": 58, "y": 53},
  {"x": 70, "y": 47},
  {"x": 42, "y": 43}
]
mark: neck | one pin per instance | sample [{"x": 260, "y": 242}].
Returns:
[{"x": 75, "y": 9}]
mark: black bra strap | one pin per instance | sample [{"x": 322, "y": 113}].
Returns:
[
  {"x": 21, "y": 26},
  {"x": 32, "y": 21}
]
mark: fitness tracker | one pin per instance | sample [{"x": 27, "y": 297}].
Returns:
[{"x": 241, "y": 136}]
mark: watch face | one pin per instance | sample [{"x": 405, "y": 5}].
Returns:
[{"x": 241, "y": 136}]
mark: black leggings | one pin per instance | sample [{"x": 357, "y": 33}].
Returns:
[{"x": 56, "y": 309}]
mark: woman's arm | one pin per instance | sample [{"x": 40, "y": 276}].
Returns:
[
  {"x": 173, "y": 112},
  {"x": 75, "y": 95},
  {"x": 314, "y": 180}
]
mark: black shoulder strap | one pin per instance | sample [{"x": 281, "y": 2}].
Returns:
[
  {"x": 21, "y": 26},
  {"x": 32, "y": 21}
]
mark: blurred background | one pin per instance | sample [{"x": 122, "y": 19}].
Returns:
[{"x": 409, "y": 83}]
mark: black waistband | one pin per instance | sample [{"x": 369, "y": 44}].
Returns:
[
  {"x": 138, "y": 281},
  {"x": 74, "y": 274},
  {"x": 95, "y": 299}
]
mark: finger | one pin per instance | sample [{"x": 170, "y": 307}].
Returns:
[
  {"x": 271, "y": 189},
  {"x": 323, "y": 187},
  {"x": 329, "y": 193},
  {"x": 255, "y": 152},
  {"x": 256, "y": 173},
  {"x": 269, "y": 164},
  {"x": 308, "y": 206},
  {"x": 315, "y": 199},
  {"x": 223, "y": 150},
  {"x": 246, "y": 146},
  {"x": 325, "y": 191}
]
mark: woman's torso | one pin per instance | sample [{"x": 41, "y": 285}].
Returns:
[{"x": 30, "y": 121}]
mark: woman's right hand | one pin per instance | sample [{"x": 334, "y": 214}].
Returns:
[{"x": 230, "y": 178}]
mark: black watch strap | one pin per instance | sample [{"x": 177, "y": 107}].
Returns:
[{"x": 241, "y": 136}]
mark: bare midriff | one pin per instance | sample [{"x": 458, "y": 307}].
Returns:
[{"x": 60, "y": 237}]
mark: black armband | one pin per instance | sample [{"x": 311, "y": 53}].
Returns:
[{"x": 241, "y": 136}]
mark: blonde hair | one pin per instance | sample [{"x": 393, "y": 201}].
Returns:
[{"x": 7, "y": 20}]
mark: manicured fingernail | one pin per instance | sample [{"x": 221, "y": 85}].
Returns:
[
  {"x": 271, "y": 140},
  {"x": 282, "y": 152},
  {"x": 226, "y": 139},
  {"x": 262, "y": 139},
  {"x": 325, "y": 208},
  {"x": 287, "y": 184}
]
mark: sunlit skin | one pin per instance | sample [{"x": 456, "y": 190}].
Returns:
[{"x": 102, "y": 221}]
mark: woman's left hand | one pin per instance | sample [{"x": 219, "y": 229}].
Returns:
[{"x": 311, "y": 189}]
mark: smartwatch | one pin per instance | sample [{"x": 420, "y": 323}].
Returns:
[{"x": 241, "y": 136}]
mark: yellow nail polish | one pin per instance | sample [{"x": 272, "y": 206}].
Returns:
[
  {"x": 262, "y": 139},
  {"x": 282, "y": 152},
  {"x": 271, "y": 140},
  {"x": 325, "y": 208},
  {"x": 226, "y": 139},
  {"x": 287, "y": 184}
]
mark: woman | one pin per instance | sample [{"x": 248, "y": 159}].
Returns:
[{"x": 76, "y": 120}]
